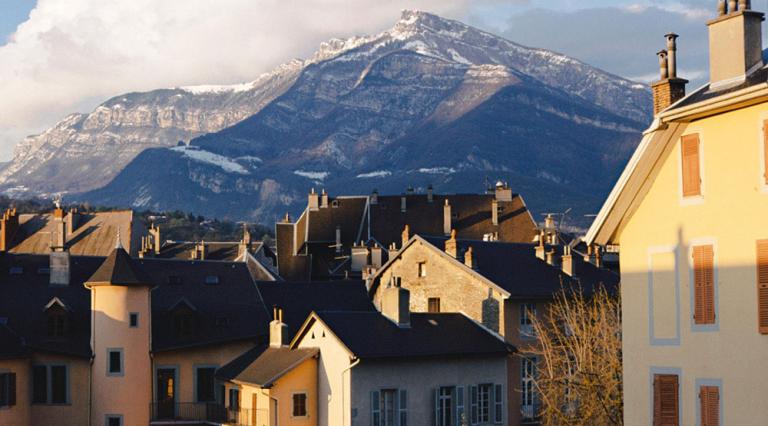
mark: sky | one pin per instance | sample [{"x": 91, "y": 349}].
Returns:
[{"x": 64, "y": 56}]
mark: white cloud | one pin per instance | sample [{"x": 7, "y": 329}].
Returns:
[
  {"x": 687, "y": 11},
  {"x": 72, "y": 54}
]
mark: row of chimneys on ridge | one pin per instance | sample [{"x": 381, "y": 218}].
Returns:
[
  {"x": 64, "y": 225},
  {"x": 735, "y": 51}
]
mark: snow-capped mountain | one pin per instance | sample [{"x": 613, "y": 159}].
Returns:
[{"x": 429, "y": 101}]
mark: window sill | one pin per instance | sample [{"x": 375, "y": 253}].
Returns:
[{"x": 692, "y": 200}]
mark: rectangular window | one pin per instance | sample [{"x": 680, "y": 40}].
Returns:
[
  {"x": 434, "y": 305},
  {"x": 40, "y": 384},
  {"x": 762, "y": 286},
  {"x": 402, "y": 407},
  {"x": 691, "y": 167},
  {"x": 709, "y": 404},
  {"x": 388, "y": 407},
  {"x": 206, "y": 386},
  {"x": 484, "y": 403},
  {"x": 59, "y": 384},
  {"x": 445, "y": 406},
  {"x": 704, "y": 284},
  {"x": 460, "y": 411},
  {"x": 7, "y": 389},
  {"x": 527, "y": 376},
  {"x": 665, "y": 400},
  {"x": 375, "y": 409},
  {"x": 234, "y": 399},
  {"x": 527, "y": 312},
  {"x": 133, "y": 320},
  {"x": 114, "y": 420},
  {"x": 57, "y": 324},
  {"x": 299, "y": 405},
  {"x": 422, "y": 269},
  {"x": 114, "y": 362},
  {"x": 498, "y": 404}
]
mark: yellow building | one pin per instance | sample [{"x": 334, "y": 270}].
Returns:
[{"x": 689, "y": 214}]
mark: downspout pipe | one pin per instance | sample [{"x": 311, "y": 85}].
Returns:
[{"x": 343, "y": 410}]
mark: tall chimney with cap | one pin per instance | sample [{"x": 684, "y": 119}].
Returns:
[
  {"x": 402, "y": 204},
  {"x": 313, "y": 200},
  {"x": 451, "y": 248},
  {"x": 406, "y": 235},
  {"x": 495, "y": 212},
  {"x": 735, "y": 43},
  {"x": 396, "y": 303},
  {"x": 324, "y": 199},
  {"x": 569, "y": 266},
  {"x": 430, "y": 194},
  {"x": 669, "y": 89},
  {"x": 447, "y": 218},
  {"x": 59, "y": 236},
  {"x": 278, "y": 330},
  {"x": 469, "y": 258}
]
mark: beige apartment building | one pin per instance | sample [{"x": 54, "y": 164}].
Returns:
[{"x": 689, "y": 214}]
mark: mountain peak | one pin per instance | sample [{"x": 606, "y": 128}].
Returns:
[{"x": 419, "y": 21}]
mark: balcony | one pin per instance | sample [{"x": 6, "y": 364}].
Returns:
[{"x": 199, "y": 413}]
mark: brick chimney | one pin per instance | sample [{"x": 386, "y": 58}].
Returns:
[
  {"x": 377, "y": 256},
  {"x": 450, "y": 245},
  {"x": 154, "y": 234},
  {"x": 278, "y": 330},
  {"x": 59, "y": 264},
  {"x": 735, "y": 43},
  {"x": 73, "y": 221},
  {"x": 406, "y": 235},
  {"x": 495, "y": 212},
  {"x": 392, "y": 251},
  {"x": 669, "y": 89},
  {"x": 313, "y": 200},
  {"x": 503, "y": 192},
  {"x": 402, "y": 204},
  {"x": 199, "y": 252},
  {"x": 395, "y": 304},
  {"x": 9, "y": 224},
  {"x": 430, "y": 194},
  {"x": 375, "y": 197},
  {"x": 324, "y": 200},
  {"x": 552, "y": 258},
  {"x": 59, "y": 234},
  {"x": 541, "y": 248},
  {"x": 469, "y": 258},
  {"x": 447, "y": 218},
  {"x": 359, "y": 257},
  {"x": 568, "y": 263}
]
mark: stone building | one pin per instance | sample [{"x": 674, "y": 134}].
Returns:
[{"x": 496, "y": 284}]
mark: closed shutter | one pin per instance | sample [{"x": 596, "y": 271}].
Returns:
[
  {"x": 498, "y": 404},
  {"x": 473, "y": 405},
  {"x": 709, "y": 397},
  {"x": 762, "y": 285},
  {"x": 375, "y": 411},
  {"x": 665, "y": 398},
  {"x": 704, "y": 284},
  {"x": 402, "y": 407},
  {"x": 11, "y": 389},
  {"x": 460, "y": 414},
  {"x": 691, "y": 166}
]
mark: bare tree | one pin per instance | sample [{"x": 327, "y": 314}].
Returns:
[{"x": 579, "y": 373}]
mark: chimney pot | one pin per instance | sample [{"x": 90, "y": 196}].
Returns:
[
  {"x": 663, "y": 65},
  {"x": 450, "y": 245},
  {"x": 278, "y": 334},
  {"x": 672, "y": 54},
  {"x": 324, "y": 200},
  {"x": 313, "y": 200},
  {"x": 469, "y": 258},
  {"x": 732, "y": 6},
  {"x": 735, "y": 44},
  {"x": 722, "y": 8},
  {"x": 447, "y": 218},
  {"x": 406, "y": 235},
  {"x": 495, "y": 212}
]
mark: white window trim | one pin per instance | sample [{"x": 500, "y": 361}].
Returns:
[
  {"x": 696, "y": 199},
  {"x": 107, "y": 417},
  {"x": 138, "y": 319},
  {"x": 121, "y": 373}
]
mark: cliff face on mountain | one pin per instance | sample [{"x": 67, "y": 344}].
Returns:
[{"x": 430, "y": 101}]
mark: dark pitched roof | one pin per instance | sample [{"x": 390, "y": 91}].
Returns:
[
  {"x": 263, "y": 367},
  {"x": 370, "y": 335},
  {"x": 298, "y": 300},
  {"x": 11, "y": 344},
  {"x": 515, "y": 268},
  {"x": 119, "y": 269},
  {"x": 229, "y": 310},
  {"x": 227, "y": 250},
  {"x": 705, "y": 93}
]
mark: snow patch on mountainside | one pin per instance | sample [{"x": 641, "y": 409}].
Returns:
[
  {"x": 376, "y": 174},
  {"x": 217, "y": 89},
  {"x": 225, "y": 163}
]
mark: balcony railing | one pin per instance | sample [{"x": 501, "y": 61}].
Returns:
[{"x": 169, "y": 412}]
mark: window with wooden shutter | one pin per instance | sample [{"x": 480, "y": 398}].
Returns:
[
  {"x": 691, "y": 166},
  {"x": 704, "y": 284},
  {"x": 709, "y": 399},
  {"x": 762, "y": 286},
  {"x": 665, "y": 400}
]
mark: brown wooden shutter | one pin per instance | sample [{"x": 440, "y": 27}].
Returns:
[
  {"x": 709, "y": 397},
  {"x": 762, "y": 286},
  {"x": 704, "y": 284},
  {"x": 665, "y": 398},
  {"x": 691, "y": 165}
]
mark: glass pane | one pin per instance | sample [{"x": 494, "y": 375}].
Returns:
[
  {"x": 58, "y": 384},
  {"x": 205, "y": 384},
  {"x": 114, "y": 362},
  {"x": 40, "y": 385}
]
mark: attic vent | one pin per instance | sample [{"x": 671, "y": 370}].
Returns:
[
  {"x": 43, "y": 271},
  {"x": 16, "y": 270},
  {"x": 212, "y": 279},
  {"x": 174, "y": 279}
]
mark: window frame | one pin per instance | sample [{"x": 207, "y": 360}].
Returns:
[
  {"x": 121, "y": 353},
  {"x": 665, "y": 372},
  {"x": 10, "y": 383},
  {"x": 484, "y": 402},
  {"x": 451, "y": 398},
  {"x": 686, "y": 200},
  {"x": 49, "y": 385},
  {"x": 131, "y": 317},
  {"x": 525, "y": 322},
  {"x": 433, "y": 301},
  {"x": 527, "y": 385},
  {"x": 422, "y": 270},
  {"x": 712, "y": 383},
  {"x": 293, "y": 405},
  {"x": 715, "y": 325},
  {"x": 196, "y": 381},
  {"x": 108, "y": 417}
]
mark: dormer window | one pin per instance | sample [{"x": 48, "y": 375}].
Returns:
[
  {"x": 57, "y": 321},
  {"x": 184, "y": 316}
]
